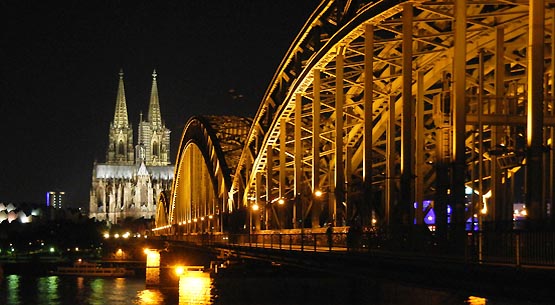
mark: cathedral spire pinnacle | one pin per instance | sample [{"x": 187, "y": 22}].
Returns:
[
  {"x": 154, "y": 116},
  {"x": 121, "y": 119}
]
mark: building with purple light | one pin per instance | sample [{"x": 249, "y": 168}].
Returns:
[{"x": 55, "y": 199}]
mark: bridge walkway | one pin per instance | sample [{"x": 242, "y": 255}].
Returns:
[{"x": 432, "y": 270}]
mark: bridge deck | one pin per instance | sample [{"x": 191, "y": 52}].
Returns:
[{"x": 437, "y": 271}]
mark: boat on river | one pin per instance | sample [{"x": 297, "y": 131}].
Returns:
[{"x": 81, "y": 268}]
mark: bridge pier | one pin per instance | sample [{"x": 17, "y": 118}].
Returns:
[{"x": 152, "y": 277}]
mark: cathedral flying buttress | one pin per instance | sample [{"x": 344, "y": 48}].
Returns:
[{"x": 128, "y": 184}]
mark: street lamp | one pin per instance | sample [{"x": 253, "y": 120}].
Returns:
[
  {"x": 318, "y": 193},
  {"x": 280, "y": 201},
  {"x": 210, "y": 217},
  {"x": 252, "y": 212}
]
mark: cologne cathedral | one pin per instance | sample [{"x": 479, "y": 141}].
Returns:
[{"x": 135, "y": 173}]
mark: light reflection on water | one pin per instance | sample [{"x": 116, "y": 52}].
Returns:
[
  {"x": 195, "y": 289},
  {"x": 150, "y": 297},
  {"x": 203, "y": 290},
  {"x": 56, "y": 290},
  {"x": 47, "y": 287}
]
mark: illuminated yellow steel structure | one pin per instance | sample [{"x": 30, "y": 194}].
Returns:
[
  {"x": 385, "y": 98},
  {"x": 381, "y": 105},
  {"x": 210, "y": 147}
]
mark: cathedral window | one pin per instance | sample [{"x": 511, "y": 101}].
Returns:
[
  {"x": 155, "y": 149},
  {"x": 121, "y": 148}
]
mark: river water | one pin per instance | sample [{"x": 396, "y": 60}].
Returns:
[{"x": 237, "y": 289}]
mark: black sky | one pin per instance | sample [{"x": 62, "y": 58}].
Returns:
[{"x": 59, "y": 72}]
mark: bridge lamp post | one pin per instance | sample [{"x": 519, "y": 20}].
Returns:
[
  {"x": 210, "y": 217},
  {"x": 253, "y": 210},
  {"x": 269, "y": 205},
  {"x": 195, "y": 228},
  {"x": 317, "y": 197}
]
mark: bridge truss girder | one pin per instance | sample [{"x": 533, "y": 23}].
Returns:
[
  {"x": 209, "y": 150},
  {"x": 337, "y": 118}
]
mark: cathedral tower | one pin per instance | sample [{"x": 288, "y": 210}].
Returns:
[
  {"x": 154, "y": 137},
  {"x": 120, "y": 139}
]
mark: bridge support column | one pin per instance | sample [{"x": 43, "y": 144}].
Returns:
[
  {"x": 390, "y": 162},
  {"x": 257, "y": 204},
  {"x": 368, "y": 203},
  {"x": 152, "y": 267},
  {"x": 407, "y": 131},
  {"x": 419, "y": 151},
  {"x": 339, "y": 160},
  {"x": 298, "y": 217},
  {"x": 332, "y": 211},
  {"x": 316, "y": 210},
  {"x": 282, "y": 168},
  {"x": 497, "y": 199},
  {"x": 534, "y": 131},
  {"x": 459, "y": 123}
]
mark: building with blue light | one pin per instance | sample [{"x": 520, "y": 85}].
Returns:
[{"x": 55, "y": 199}]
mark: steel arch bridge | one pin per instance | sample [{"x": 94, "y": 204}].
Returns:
[{"x": 380, "y": 112}]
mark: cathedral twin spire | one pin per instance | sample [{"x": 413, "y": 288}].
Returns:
[
  {"x": 154, "y": 116},
  {"x": 153, "y": 142},
  {"x": 121, "y": 120}
]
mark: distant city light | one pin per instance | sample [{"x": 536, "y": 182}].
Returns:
[{"x": 25, "y": 219}]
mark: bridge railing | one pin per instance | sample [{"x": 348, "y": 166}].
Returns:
[{"x": 515, "y": 248}]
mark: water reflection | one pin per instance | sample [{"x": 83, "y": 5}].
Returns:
[
  {"x": 12, "y": 289},
  {"x": 200, "y": 289},
  {"x": 96, "y": 287},
  {"x": 150, "y": 297},
  {"x": 474, "y": 300},
  {"x": 48, "y": 289},
  {"x": 195, "y": 288},
  {"x": 118, "y": 293}
]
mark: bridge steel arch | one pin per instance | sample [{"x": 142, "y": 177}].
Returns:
[
  {"x": 208, "y": 152},
  {"x": 162, "y": 210},
  {"x": 382, "y": 106}
]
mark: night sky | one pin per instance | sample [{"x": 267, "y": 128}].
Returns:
[{"x": 59, "y": 76}]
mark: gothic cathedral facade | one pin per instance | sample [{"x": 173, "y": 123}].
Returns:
[{"x": 128, "y": 184}]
